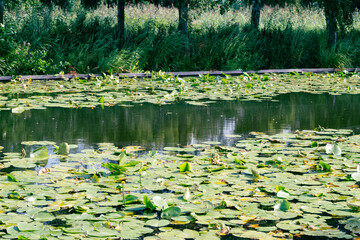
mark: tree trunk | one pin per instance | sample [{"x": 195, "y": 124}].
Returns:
[
  {"x": 255, "y": 14},
  {"x": 2, "y": 11},
  {"x": 183, "y": 16},
  {"x": 331, "y": 24},
  {"x": 121, "y": 22}
]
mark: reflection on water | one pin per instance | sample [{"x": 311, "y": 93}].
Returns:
[{"x": 155, "y": 126}]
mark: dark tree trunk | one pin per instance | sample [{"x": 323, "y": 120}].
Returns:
[
  {"x": 183, "y": 16},
  {"x": 2, "y": 11},
  {"x": 121, "y": 22},
  {"x": 331, "y": 24},
  {"x": 255, "y": 14}
]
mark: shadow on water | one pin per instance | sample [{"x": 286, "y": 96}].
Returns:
[{"x": 156, "y": 126}]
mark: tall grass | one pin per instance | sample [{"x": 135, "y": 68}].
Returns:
[{"x": 50, "y": 40}]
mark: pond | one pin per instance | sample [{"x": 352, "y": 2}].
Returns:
[
  {"x": 248, "y": 157},
  {"x": 154, "y": 127}
]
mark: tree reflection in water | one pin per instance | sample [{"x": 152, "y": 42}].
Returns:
[{"x": 155, "y": 126}]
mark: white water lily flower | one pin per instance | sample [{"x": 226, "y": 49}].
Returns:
[
  {"x": 277, "y": 207},
  {"x": 187, "y": 195},
  {"x": 282, "y": 194},
  {"x": 337, "y": 150},
  {"x": 160, "y": 203},
  {"x": 356, "y": 176},
  {"x": 329, "y": 148},
  {"x": 30, "y": 199},
  {"x": 160, "y": 180}
]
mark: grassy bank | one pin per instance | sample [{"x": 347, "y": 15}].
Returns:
[{"x": 38, "y": 40}]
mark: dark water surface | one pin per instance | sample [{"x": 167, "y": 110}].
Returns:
[{"x": 154, "y": 126}]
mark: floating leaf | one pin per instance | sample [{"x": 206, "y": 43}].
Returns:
[
  {"x": 157, "y": 223},
  {"x": 354, "y": 204},
  {"x": 171, "y": 212},
  {"x": 131, "y": 199}
]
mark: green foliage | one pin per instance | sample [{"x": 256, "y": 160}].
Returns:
[
  {"x": 185, "y": 167},
  {"x": 114, "y": 168},
  {"x": 77, "y": 39},
  {"x": 325, "y": 166},
  {"x": 41, "y": 153},
  {"x": 171, "y": 212},
  {"x": 284, "y": 205},
  {"x": 160, "y": 204},
  {"x": 11, "y": 178},
  {"x": 148, "y": 204},
  {"x": 314, "y": 144}
]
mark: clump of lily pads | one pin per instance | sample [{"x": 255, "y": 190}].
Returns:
[{"x": 261, "y": 187}]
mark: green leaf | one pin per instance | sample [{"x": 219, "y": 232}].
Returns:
[
  {"x": 148, "y": 204},
  {"x": 114, "y": 168},
  {"x": 325, "y": 166},
  {"x": 216, "y": 169},
  {"x": 314, "y": 144},
  {"x": 240, "y": 162},
  {"x": 185, "y": 167},
  {"x": 122, "y": 156},
  {"x": 130, "y": 199},
  {"x": 94, "y": 178},
  {"x": 283, "y": 205},
  {"x": 280, "y": 188},
  {"x": 56, "y": 148},
  {"x": 101, "y": 99},
  {"x": 131, "y": 164},
  {"x": 41, "y": 152},
  {"x": 11, "y": 178},
  {"x": 171, "y": 212}
]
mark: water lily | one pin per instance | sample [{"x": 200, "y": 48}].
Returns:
[
  {"x": 329, "y": 148},
  {"x": 187, "y": 195},
  {"x": 30, "y": 199}
]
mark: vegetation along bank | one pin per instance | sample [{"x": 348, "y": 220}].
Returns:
[{"x": 48, "y": 37}]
